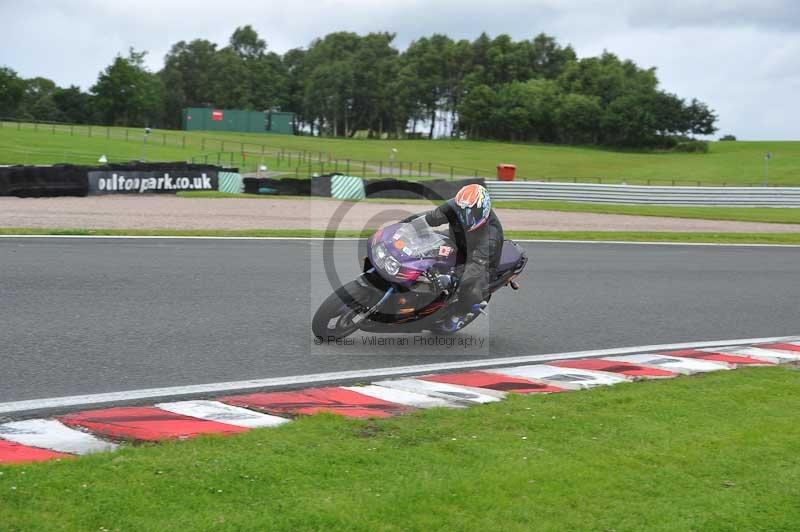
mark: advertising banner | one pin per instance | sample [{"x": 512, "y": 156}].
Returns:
[{"x": 139, "y": 182}]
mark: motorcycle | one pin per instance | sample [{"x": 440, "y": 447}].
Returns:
[{"x": 409, "y": 282}]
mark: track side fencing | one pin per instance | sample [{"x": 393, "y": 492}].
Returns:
[{"x": 646, "y": 195}]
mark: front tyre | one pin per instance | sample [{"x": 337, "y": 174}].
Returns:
[{"x": 334, "y": 317}]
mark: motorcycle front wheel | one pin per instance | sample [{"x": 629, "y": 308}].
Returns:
[{"x": 334, "y": 317}]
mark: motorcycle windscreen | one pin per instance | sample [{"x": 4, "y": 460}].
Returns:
[{"x": 419, "y": 240}]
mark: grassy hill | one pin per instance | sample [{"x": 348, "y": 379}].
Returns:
[{"x": 726, "y": 163}]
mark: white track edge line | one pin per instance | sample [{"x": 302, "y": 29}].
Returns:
[
  {"x": 177, "y": 391},
  {"x": 319, "y": 238}
]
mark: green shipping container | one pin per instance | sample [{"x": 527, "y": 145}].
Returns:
[
  {"x": 206, "y": 119},
  {"x": 280, "y": 122}
]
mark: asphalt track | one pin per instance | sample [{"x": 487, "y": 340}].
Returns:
[{"x": 82, "y": 316}]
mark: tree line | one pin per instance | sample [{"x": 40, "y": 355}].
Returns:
[{"x": 497, "y": 88}]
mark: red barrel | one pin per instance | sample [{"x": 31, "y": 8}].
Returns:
[{"x": 506, "y": 172}]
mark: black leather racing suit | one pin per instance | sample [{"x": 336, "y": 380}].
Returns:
[{"x": 478, "y": 250}]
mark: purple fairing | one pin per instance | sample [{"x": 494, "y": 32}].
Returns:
[{"x": 401, "y": 252}]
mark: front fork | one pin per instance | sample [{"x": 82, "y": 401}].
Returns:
[{"x": 358, "y": 318}]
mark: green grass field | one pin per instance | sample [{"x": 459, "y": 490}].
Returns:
[
  {"x": 727, "y": 163},
  {"x": 706, "y": 453},
  {"x": 742, "y": 214}
]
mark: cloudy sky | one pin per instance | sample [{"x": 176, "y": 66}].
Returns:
[{"x": 742, "y": 57}]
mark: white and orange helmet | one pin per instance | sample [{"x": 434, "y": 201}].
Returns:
[{"x": 473, "y": 206}]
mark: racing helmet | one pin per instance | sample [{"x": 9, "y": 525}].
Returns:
[{"x": 473, "y": 206}]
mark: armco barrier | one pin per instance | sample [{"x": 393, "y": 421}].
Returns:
[{"x": 646, "y": 195}]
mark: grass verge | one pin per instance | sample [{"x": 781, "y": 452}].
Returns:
[
  {"x": 599, "y": 236},
  {"x": 741, "y": 214},
  {"x": 713, "y": 452}
]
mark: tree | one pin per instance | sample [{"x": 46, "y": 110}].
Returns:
[
  {"x": 548, "y": 58},
  {"x": 630, "y": 120},
  {"x": 578, "y": 119},
  {"x": 262, "y": 72},
  {"x": 230, "y": 84},
  {"x": 270, "y": 82},
  {"x": 476, "y": 112},
  {"x": 329, "y": 96},
  {"x": 502, "y": 62},
  {"x": 45, "y": 109},
  {"x": 12, "y": 91},
  {"x": 607, "y": 77},
  {"x": 330, "y": 88},
  {"x": 525, "y": 111},
  {"x": 247, "y": 44},
  {"x": 700, "y": 118},
  {"x": 427, "y": 61},
  {"x": 126, "y": 94},
  {"x": 404, "y": 104},
  {"x": 477, "y": 73},
  {"x": 460, "y": 62},
  {"x": 187, "y": 78},
  {"x": 295, "y": 69},
  {"x": 37, "y": 102},
  {"x": 670, "y": 115},
  {"x": 527, "y": 90},
  {"x": 73, "y": 105},
  {"x": 375, "y": 67}
]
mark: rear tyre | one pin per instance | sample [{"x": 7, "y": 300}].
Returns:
[{"x": 334, "y": 317}]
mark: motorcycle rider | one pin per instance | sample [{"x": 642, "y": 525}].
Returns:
[{"x": 479, "y": 239}]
